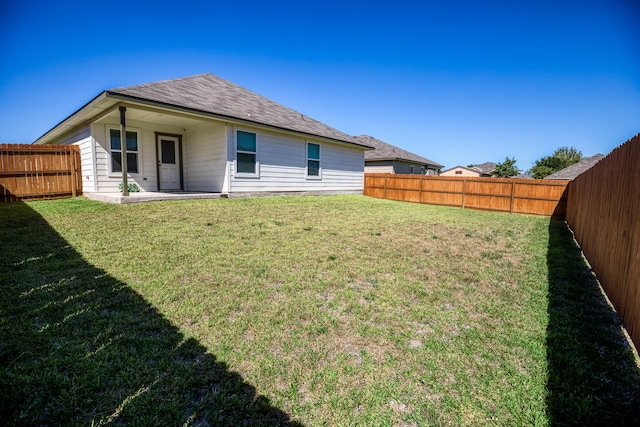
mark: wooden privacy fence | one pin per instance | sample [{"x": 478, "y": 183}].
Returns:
[
  {"x": 513, "y": 195},
  {"x": 39, "y": 172},
  {"x": 604, "y": 214}
]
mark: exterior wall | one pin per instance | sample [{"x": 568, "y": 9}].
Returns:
[
  {"x": 147, "y": 176},
  {"x": 82, "y": 138},
  {"x": 405, "y": 168},
  {"x": 282, "y": 161},
  {"x": 389, "y": 166},
  {"x": 75, "y": 137},
  {"x": 382, "y": 166},
  {"x": 205, "y": 148},
  {"x": 463, "y": 172},
  {"x": 208, "y": 160},
  {"x": 86, "y": 164}
]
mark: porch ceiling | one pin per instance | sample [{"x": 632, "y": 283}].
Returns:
[{"x": 151, "y": 116}]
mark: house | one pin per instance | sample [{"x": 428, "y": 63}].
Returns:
[
  {"x": 481, "y": 170},
  {"x": 387, "y": 158},
  {"x": 522, "y": 176},
  {"x": 205, "y": 134},
  {"x": 571, "y": 172}
]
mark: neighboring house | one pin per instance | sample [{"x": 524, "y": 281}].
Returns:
[
  {"x": 205, "y": 134},
  {"x": 387, "y": 158},
  {"x": 522, "y": 176},
  {"x": 571, "y": 172},
  {"x": 481, "y": 170}
]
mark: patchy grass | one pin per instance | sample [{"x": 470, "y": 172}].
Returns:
[{"x": 340, "y": 310}]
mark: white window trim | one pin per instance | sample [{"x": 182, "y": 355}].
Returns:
[
  {"x": 237, "y": 174},
  {"x": 108, "y": 146},
  {"x": 319, "y": 160}
]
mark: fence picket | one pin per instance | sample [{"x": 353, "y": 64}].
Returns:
[
  {"x": 602, "y": 211},
  {"x": 534, "y": 197},
  {"x": 39, "y": 172}
]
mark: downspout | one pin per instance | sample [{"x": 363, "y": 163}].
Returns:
[{"x": 123, "y": 152}]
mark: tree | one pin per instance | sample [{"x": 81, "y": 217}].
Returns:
[
  {"x": 546, "y": 166},
  {"x": 561, "y": 158},
  {"x": 506, "y": 169},
  {"x": 568, "y": 155}
]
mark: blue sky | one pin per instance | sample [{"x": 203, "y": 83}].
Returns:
[{"x": 457, "y": 81}]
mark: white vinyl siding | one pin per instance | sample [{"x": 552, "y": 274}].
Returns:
[
  {"x": 283, "y": 165},
  {"x": 205, "y": 163},
  {"x": 86, "y": 164},
  {"x": 147, "y": 177},
  {"x": 82, "y": 138},
  {"x": 209, "y": 159}
]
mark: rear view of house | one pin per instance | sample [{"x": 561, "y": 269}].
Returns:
[{"x": 205, "y": 134}]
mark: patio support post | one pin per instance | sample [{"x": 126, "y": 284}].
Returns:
[{"x": 123, "y": 147}]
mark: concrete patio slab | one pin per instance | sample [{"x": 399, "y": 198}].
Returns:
[{"x": 149, "y": 196}]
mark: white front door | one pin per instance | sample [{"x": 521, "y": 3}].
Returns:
[{"x": 168, "y": 163}]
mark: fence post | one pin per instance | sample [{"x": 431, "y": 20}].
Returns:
[
  {"x": 385, "y": 186},
  {"x": 72, "y": 154},
  {"x": 513, "y": 184},
  {"x": 464, "y": 190}
]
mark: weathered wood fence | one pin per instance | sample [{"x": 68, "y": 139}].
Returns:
[
  {"x": 604, "y": 214},
  {"x": 39, "y": 172},
  {"x": 513, "y": 195}
]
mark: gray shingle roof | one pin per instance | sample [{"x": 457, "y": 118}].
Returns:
[
  {"x": 486, "y": 167},
  {"x": 571, "y": 172},
  {"x": 385, "y": 151},
  {"x": 207, "y": 93}
]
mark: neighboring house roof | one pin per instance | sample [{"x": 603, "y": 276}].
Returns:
[
  {"x": 522, "y": 176},
  {"x": 486, "y": 167},
  {"x": 385, "y": 151},
  {"x": 571, "y": 172},
  {"x": 208, "y": 95}
]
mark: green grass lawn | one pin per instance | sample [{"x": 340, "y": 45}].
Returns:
[{"x": 336, "y": 311}]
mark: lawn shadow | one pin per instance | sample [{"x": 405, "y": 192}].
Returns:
[
  {"x": 593, "y": 379},
  {"x": 78, "y": 346}
]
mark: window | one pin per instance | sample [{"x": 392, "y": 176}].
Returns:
[
  {"x": 422, "y": 170},
  {"x": 168, "y": 151},
  {"x": 313, "y": 160},
  {"x": 458, "y": 172},
  {"x": 411, "y": 169},
  {"x": 116, "y": 150},
  {"x": 246, "y": 153}
]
